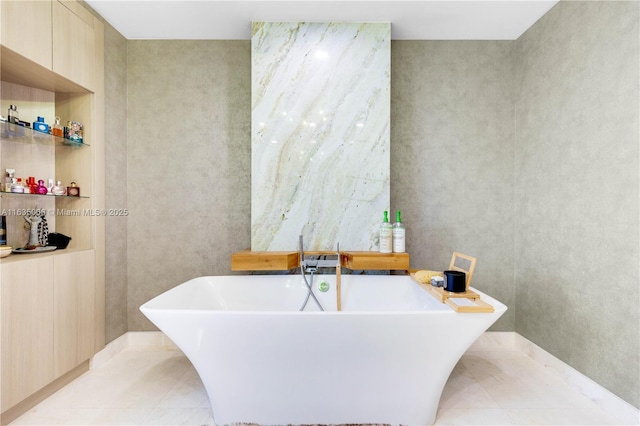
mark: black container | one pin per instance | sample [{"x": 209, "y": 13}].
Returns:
[
  {"x": 455, "y": 281},
  {"x": 61, "y": 241}
]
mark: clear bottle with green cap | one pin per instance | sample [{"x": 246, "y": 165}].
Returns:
[
  {"x": 398, "y": 235},
  {"x": 386, "y": 235}
]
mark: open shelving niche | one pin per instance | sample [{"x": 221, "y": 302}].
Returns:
[{"x": 40, "y": 92}]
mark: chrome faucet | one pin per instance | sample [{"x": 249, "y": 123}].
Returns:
[{"x": 309, "y": 264}]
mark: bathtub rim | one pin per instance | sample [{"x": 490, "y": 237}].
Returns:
[{"x": 498, "y": 306}]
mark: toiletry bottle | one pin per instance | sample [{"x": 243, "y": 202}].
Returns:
[
  {"x": 8, "y": 180},
  {"x": 17, "y": 186},
  {"x": 57, "y": 128},
  {"x": 398, "y": 235},
  {"x": 40, "y": 125},
  {"x": 59, "y": 189},
  {"x": 41, "y": 189},
  {"x": 73, "y": 190},
  {"x": 31, "y": 185},
  {"x": 386, "y": 233},
  {"x": 12, "y": 115}
]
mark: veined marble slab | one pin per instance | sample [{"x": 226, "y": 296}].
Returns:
[{"x": 320, "y": 134}]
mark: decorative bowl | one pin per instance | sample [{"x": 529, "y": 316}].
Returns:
[{"x": 5, "y": 251}]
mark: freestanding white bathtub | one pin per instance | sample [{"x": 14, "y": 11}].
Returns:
[{"x": 384, "y": 358}]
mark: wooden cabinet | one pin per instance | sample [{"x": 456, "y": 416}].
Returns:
[
  {"x": 52, "y": 306},
  {"x": 27, "y": 328},
  {"x": 48, "y": 316},
  {"x": 58, "y": 35},
  {"x": 73, "y": 309},
  {"x": 26, "y": 29},
  {"x": 73, "y": 43}
]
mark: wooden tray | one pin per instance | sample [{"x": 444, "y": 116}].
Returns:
[{"x": 467, "y": 302}]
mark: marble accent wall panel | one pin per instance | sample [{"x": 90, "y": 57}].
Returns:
[{"x": 320, "y": 134}]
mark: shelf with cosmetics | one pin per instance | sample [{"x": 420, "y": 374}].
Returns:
[
  {"x": 44, "y": 173},
  {"x": 10, "y": 132},
  {"x": 42, "y": 196}
]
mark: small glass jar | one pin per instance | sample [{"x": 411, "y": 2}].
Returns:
[
  {"x": 58, "y": 189},
  {"x": 18, "y": 186}
]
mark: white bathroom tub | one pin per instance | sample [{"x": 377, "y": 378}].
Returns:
[{"x": 384, "y": 358}]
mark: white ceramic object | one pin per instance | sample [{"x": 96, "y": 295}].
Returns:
[
  {"x": 384, "y": 358},
  {"x": 5, "y": 251}
]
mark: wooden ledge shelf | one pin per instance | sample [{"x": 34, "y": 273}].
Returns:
[
  {"x": 248, "y": 260},
  {"x": 373, "y": 260}
]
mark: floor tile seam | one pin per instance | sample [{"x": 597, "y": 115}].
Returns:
[
  {"x": 515, "y": 415},
  {"x": 486, "y": 392},
  {"x": 159, "y": 404},
  {"x": 493, "y": 388},
  {"x": 541, "y": 404},
  {"x": 592, "y": 413},
  {"x": 175, "y": 387}
]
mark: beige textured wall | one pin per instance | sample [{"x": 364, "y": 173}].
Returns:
[
  {"x": 452, "y": 157},
  {"x": 577, "y": 190},
  {"x": 189, "y": 163},
  {"x": 115, "y": 193}
]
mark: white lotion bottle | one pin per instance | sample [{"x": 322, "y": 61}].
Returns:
[
  {"x": 398, "y": 235},
  {"x": 386, "y": 235}
]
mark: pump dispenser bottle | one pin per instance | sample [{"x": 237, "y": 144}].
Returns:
[
  {"x": 386, "y": 235},
  {"x": 398, "y": 235}
]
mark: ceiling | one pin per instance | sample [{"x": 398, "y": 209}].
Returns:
[{"x": 410, "y": 20}]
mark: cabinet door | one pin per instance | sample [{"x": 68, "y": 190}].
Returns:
[
  {"x": 27, "y": 327},
  {"x": 26, "y": 29},
  {"x": 73, "y": 309},
  {"x": 73, "y": 43}
]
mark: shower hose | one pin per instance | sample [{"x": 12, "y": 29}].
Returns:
[{"x": 309, "y": 290}]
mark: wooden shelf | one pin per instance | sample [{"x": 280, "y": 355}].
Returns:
[
  {"x": 248, "y": 260},
  {"x": 373, "y": 260}
]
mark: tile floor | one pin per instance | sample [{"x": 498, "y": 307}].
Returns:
[{"x": 160, "y": 387}]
